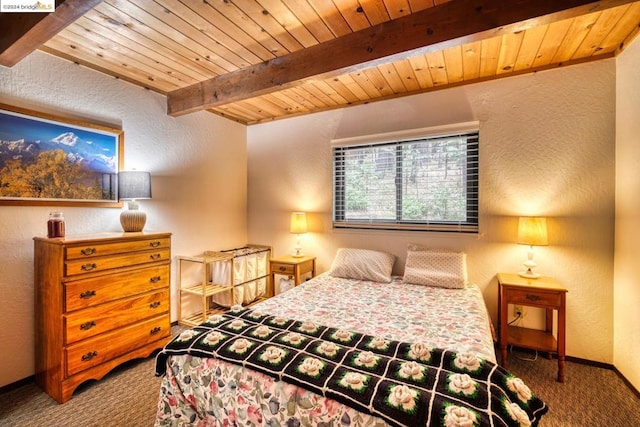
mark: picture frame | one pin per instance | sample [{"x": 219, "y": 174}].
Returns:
[{"x": 50, "y": 160}]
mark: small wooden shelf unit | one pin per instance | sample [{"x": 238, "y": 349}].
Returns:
[{"x": 205, "y": 288}]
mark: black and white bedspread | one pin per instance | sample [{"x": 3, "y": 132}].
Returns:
[{"x": 404, "y": 384}]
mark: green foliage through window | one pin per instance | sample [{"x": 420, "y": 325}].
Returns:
[{"x": 423, "y": 184}]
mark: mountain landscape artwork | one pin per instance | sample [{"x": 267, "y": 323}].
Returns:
[{"x": 43, "y": 159}]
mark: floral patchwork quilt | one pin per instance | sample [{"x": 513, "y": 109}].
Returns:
[
  {"x": 286, "y": 371},
  {"x": 455, "y": 319}
]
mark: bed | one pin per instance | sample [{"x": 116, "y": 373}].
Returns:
[{"x": 353, "y": 346}]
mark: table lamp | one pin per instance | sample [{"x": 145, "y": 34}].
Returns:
[
  {"x": 532, "y": 231},
  {"x": 298, "y": 227},
  {"x": 133, "y": 185}
]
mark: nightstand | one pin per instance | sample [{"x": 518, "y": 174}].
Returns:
[
  {"x": 293, "y": 267},
  {"x": 543, "y": 292}
]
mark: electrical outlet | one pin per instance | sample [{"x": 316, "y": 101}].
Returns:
[{"x": 518, "y": 310}]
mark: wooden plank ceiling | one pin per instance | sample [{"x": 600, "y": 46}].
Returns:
[{"x": 191, "y": 49}]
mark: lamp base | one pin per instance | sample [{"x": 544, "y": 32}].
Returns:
[
  {"x": 529, "y": 264},
  {"x": 133, "y": 220},
  {"x": 529, "y": 274},
  {"x": 297, "y": 249}
]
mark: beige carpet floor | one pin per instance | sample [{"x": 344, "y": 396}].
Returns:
[
  {"x": 591, "y": 397},
  {"x": 126, "y": 397}
]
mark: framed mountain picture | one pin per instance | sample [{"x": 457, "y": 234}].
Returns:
[{"x": 50, "y": 160}]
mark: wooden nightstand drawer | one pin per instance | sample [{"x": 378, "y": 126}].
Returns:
[
  {"x": 287, "y": 269},
  {"x": 534, "y": 297}
]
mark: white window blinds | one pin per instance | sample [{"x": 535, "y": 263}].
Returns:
[{"x": 425, "y": 183}]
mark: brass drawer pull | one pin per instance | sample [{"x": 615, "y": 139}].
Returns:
[
  {"x": 283, "y": 268},
  {"x": 155, "y": 279},
  {"x": 155, "y": 330},
  {"x": 87, "y": 357},
  {"x": 88, "y": 294},
  {"x": 155, "y": 244},
  {"x": 154, "y": 304},
  {"x": 88, "y": 325},
  {"x": 88, "y": 251},
  {"x": 155, "y": 256},
  {"x": 531, "y": 297},
  {"x": 88, "y": 267}
]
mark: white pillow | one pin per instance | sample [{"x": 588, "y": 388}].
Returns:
[
  {"x": 439, "y": 269},
  {"x": 362, "y": 264}
]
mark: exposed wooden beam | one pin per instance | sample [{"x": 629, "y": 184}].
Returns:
[
  {"x": 25, "y": 32},
  {"x": 449, "y": 24}
]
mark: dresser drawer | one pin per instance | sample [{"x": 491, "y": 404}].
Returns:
[
  {"x": 83, "y": 266},
  {"x": 97, "y": 290},
  {"x": 278, "y": 268},
  {"x": 533, "y": 297},
  {"x": 102, "y": 249},
  {"x": 102, "y": 348},
  {"x": 87, "y": 323}
]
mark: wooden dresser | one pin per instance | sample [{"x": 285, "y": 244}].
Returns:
[{"x": 100, "y": 300}]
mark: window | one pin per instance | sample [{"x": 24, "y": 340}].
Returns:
[{"x": 411, "y": 183}]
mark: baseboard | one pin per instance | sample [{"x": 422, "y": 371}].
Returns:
[
  {"x": 626, "y": 381},
  {"x": 593, "y": 363},
  {"x": 15, "y": 385},
  {"x": 587, "y": 362}
]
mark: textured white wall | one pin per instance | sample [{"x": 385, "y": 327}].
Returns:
[
  {"x": 546, "y": 148},
  {"x": 627, "y": 268},
  {"x": 198, "y": 167}
]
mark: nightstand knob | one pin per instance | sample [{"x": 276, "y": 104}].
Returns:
[
  {"x": 154, "y": 304},
  {"x": 155, "y": 256},
  {"x": 155, "y": 330},
  {"x": 282, "y": 268},
  {"x": 531, "y": 297},
  {"x": 154, "y": 244},
  {"x": 155, "y": 279}
]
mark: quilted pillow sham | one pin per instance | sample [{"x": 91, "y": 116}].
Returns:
[
  {"x": 362, "y": 264},
  {"x": 439, "y": 269}
]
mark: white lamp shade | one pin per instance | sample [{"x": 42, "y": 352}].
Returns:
[
  {"x": 532, "y": 231},
  {"x": 134, "y": 185},
  {"x": 298, "y": 223}
]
